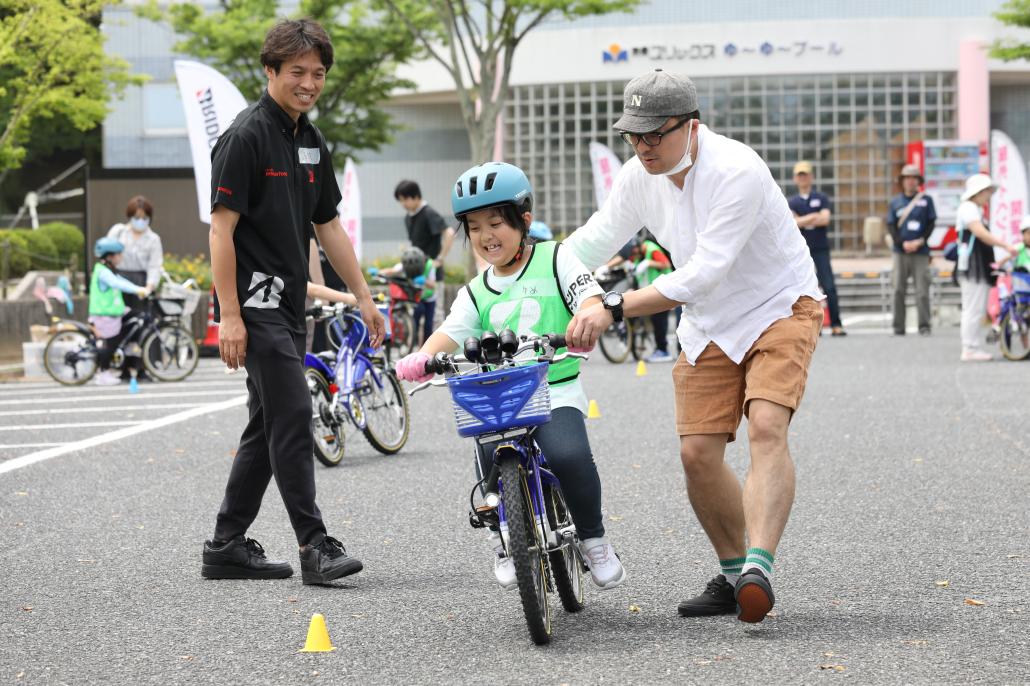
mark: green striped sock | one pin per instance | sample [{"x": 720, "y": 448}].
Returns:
[
  {"x": 731, "y": 568},
  {"x": 760, "y": 559}
]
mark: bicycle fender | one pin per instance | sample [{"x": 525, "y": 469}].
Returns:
[{"x": 313, "y": 362}]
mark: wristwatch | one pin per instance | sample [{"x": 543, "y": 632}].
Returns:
[{"x": 612, "y": 301}]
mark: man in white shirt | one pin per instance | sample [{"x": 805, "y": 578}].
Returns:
[{"x": 751, "y": 319}]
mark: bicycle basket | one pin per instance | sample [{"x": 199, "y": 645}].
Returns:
[
  {"x": 501, "y": 399},
  {"x": 187, "y": 298},
  {"x": 1021, "y": 282},
  {"x": 171, "y": 307}
]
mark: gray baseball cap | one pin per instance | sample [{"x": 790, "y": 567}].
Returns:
[{"x": 649, "y": 100}]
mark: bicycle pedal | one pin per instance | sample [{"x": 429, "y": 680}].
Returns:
[
  {"x": 475, "y": 522},
  {"x": 330, "y": 439}
]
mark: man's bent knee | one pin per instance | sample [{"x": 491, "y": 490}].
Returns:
[
  {"x": 702, "y": 453},
  {"x": 767, "y": 423}
]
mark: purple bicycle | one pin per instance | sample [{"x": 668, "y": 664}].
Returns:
[{"x": 500, "y": 401}]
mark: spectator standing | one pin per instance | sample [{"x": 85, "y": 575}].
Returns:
[
  {"x": 142, "y": 256},
  {"x": 910, "y": 220},
  {"x": 813, "y": 212},
  {"x": 427, "y": 230}
]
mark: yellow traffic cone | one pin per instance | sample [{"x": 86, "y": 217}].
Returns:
[
  {"x": 641, "y": 368},
  {"x": 593, "y": 411},
  {"x": 318, "y": 636}
]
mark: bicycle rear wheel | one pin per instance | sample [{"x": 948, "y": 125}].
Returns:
[
  {"x": 642, "y": 338},
  {"x": 566, "y": 566},
  {"x": 616, "y": 341},
  {"x": 170, "y": 354},
  {"x": 70, "y": 357},
  {"x": 329, "y": 443},
  {"x": 1014, "y": 337},
  {"x": 386, "y": 412},
  {"x": 525, "y": 548},
  {"x": 402, "y": 325}
]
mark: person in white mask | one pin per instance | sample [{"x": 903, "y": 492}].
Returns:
[
  {"x": 143, "y": 257},
  {"x": 751, "y": 319}
]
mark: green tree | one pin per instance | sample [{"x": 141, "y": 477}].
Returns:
[
  {"x": 476, "y": 43},
  {"x": 367, "y": 51},
  {"x": 1013, "y": 13},
  {"x": 53, "y": 68}
]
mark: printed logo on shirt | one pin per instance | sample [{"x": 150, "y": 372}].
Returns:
[
  {"x": 815, "y": 202},
  {"x": 311, "y": 176},
  {"x": 922, "y": 203},
  {"x": 309, "y": 155},
  {"x": 223, "y": 189},
  {"x": 273, "y": 172},
  {"x": 266, "y": 291},
  {"x": 582, "y": 282},
  {"x": 528, "y": 315}
]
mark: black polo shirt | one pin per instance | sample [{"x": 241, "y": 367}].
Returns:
[
  {"x": 425, "y": 230},
  {"x": 809, "y": 204},
  {"x": 279, "y": 182}
]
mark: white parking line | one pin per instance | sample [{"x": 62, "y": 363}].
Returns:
[
  {"x": 57, "y": 451},
  {"x": 102, "y": 408},
  {"x": 69, "y": 425},
  {"x": 118, "y": 396},
  {"x": 88, "y": 388},
  {"x": 12, "y": 446}
]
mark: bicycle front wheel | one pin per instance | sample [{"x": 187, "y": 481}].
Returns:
[
  {"x": 566, "y": 566},
  {"x": 643, "y": 338},
  {"x": 616, "y": 341},
  {"x": 1014, "y": 337},
  {"x": 386, "y": 413},
  {"x": 70, "y": 357},
  {"x": 525, "y": 548},
  {"x": 170, "y": 353}
]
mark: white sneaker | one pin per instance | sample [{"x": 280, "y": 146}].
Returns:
[
  {"x": 974, "y": 355},
  {"x": 504, "y": 568},
  {"x": 605, "y": 567},
  {"x": 658, "y": 356},
  {"x": 106, "y": 378}
]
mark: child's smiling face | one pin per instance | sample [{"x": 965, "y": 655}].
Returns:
[{"x": 492, "y": 237}]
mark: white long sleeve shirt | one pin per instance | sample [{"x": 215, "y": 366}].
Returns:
[{"x": 740, "y": 260}]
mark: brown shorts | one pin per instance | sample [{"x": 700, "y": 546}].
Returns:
[{"x": 713, "y": 395}]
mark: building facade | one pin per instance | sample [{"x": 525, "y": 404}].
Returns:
[{"x": 844, "y": 85}]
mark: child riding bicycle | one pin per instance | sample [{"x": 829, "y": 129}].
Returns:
[
  {"x": 418, "y": 269},
  {"x": 106, "y": 305},
  {"x": 531, "y": 289}
]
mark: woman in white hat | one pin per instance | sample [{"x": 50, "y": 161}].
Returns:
[{"x": 975, "y": 255}]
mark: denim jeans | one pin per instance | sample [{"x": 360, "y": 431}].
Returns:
[{"x": 824, "y": 272}]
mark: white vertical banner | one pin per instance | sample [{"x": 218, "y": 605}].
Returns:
[
  {"x": 605, "y": 166},
  {"x": 350, "y": 206},
  {"x": 1009, "y": 202},
  {"x": 211, "y": 102}
]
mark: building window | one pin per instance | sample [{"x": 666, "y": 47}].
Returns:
[
  {"x": 853, "y": 127},
  {"x": 163, "y": 114}
]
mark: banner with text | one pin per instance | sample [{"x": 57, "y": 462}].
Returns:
[
  {"x": 350, "y": 206},
  {"x": 606, "y": 167},
  {"x": 1009, "y": 203},
  {"x": 211, "y": 102}
]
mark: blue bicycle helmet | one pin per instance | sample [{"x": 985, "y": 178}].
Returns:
[
  {"x": 490, "y": 185},
  {"x": 540, "y": 231},
  {"x": 106, "y": 246}
]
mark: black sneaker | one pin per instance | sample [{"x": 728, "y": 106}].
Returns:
[
  {"x": 241, "y": 558},
  {"x": 717, "y": 599},
  {"x": 326, "y": 561},
  {"x": 754, "y": 596}
]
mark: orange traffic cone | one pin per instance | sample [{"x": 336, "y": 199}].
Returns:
[{"x": 210, "y": 341}]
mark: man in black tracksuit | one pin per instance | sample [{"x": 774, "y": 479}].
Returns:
[{"x": 271, "y": 179}]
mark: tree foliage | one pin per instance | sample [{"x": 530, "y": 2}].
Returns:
[
  {"x": 53, "y": 69},
  {"x": 1013, "y": 13},
  {"x": 475, "y": 41},
  {"x": 367, "y": 52}
]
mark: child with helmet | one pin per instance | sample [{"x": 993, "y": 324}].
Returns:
[
  {"x": 418, "y": 269},
  {"x": 106, "y": 305},
  {"x": 531, "y": 288}
]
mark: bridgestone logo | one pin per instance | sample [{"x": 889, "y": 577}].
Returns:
[{"x": 207, "y": 108}]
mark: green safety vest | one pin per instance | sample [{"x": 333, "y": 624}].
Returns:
[
  {"x": 650, "y": 248},
  {"x": 532, "y": 305},
  {"x": 107, "y": 303},
  {"x": 429, "y": 275},
  {"x": 1023, "y": 258}
]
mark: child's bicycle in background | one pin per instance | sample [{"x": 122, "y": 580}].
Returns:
[
  {"x": 520, "y": 495},
  {"x": 154, "y": 334},
  {"x": 1014, "y": 317},
  {"x": 352, "y": 386},
  {"x": 633, "y": 335},
  {"x": 404, "y": 298}
]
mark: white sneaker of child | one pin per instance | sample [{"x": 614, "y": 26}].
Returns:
[
  {"x": 106, "y": 378},
  {"x": 605, "y": 567},
  {"x": 504, "y": 567}
]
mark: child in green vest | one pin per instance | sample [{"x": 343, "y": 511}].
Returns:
[
  {"x": 106, "y": 305},
  {"x": 530, "y": 288},
  {"x": 651, "y": 262},
  {"x": 420, "y": 270}
]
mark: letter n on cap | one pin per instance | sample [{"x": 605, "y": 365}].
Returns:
[{"x": 637, "y": 100}]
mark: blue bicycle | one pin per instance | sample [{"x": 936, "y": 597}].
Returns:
[
  {"x": 1014, "y": 318},
  {"x": 500, "y": 402},
  {"x": 352, "y": 387}
]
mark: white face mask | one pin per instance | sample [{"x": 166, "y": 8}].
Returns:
[
  {"x": 686, "y": 161},
  {"x": 139, "y": 223}
]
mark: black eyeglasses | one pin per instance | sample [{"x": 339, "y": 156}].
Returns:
[{"x": 652, "y": 138}]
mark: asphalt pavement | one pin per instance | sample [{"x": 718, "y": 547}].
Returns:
[{"x": 904, "y": 561}]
